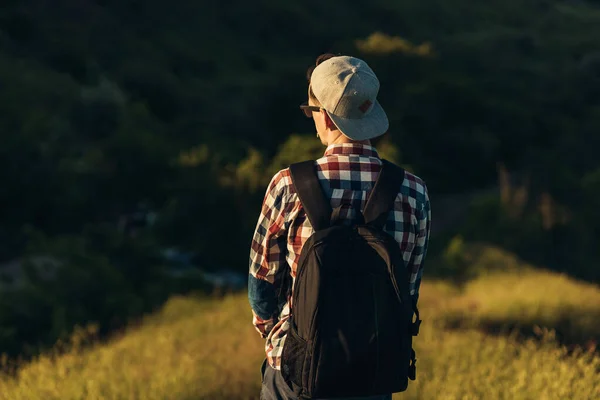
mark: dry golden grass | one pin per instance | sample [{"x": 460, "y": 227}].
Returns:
[
  {"x": 185, "y": 352},
  {"x": 207, "y": 349}
]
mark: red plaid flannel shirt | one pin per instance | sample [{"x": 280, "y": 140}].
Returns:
[{"x": 347, "y": 173}]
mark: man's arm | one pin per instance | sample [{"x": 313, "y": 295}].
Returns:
[
  {"x": 267, "y": 255},
  {"x": 420, "y": 251}
]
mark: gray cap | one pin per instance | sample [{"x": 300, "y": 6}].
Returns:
[{"x": 347, "y": 89}]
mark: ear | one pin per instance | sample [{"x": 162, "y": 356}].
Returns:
[{"x": 328, "y": 122}]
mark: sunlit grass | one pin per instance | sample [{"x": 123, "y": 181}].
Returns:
[
  {"x": 524, "y": 298},
  {"x": 528, "y": 300},
  {"x": 207, "y": 349},
  {"x": 192, "y": 349}
]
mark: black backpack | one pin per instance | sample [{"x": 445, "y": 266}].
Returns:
[{"x": 352, "y": 325}]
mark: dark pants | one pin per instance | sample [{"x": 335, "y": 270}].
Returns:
[{"x": 274, "y": 387}]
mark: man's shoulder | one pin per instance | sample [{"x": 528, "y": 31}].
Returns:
[
  {"x": 281, "y": 182},
  {"x": 415, "y": 187}
]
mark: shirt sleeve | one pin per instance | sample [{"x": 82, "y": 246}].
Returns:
[
  {"x": 267, "y": 256},
  {"x": 420, "y": 251}
]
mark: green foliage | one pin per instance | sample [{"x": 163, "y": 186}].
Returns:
[
  {"x": 380, "y": 43},
  {"x": 461, "y": 261},
  {"x": 455, "y": 260},
  {"x": 249, "y": 174},
  {"x": 296, "y": 148},
  {"x": 569, "y": 246},
  {"x": 591, "y": 190},
  {"x": 100, "y": 277}
]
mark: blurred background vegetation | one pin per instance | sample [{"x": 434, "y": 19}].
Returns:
[{"x": 137, "y": 139}]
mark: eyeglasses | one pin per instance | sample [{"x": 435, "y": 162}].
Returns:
[{"x": 308, "y": 110}]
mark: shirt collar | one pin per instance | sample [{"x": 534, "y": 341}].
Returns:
[{"x": 351, "y": 149}]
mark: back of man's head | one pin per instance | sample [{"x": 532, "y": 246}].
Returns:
[{"x": 347, "y": 88}]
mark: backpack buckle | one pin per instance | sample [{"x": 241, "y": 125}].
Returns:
[
  {"x": 412, "y": 368},
  {"x": 414, "y": 327}
]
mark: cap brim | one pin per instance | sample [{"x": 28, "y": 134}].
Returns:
[{"x": 374, "y": 124}]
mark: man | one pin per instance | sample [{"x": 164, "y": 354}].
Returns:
[{"x": 342, "y": 102}]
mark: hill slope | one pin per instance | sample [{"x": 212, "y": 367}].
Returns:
[{"x": 207, "y": 349}]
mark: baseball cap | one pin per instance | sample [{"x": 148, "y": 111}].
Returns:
[{"x": 347, "y": 89}]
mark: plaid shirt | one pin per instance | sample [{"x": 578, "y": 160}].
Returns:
[{"x": 347, "y": 173}]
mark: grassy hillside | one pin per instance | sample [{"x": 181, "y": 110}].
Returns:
[{"x": 203, "y": 348}]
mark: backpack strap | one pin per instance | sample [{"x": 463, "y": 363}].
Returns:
[
  {"x": 382, "y": 197},
  {"x": 307, "y": 185}
]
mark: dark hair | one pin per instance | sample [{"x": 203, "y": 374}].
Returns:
[{"x": 320, "y": 59}]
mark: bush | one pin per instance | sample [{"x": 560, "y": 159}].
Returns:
[{"x": 103, "y": 278}]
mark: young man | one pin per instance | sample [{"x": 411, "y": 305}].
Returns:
[{"x": 342, "y": 102}]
